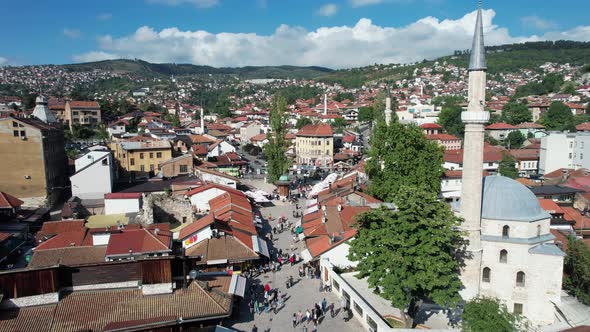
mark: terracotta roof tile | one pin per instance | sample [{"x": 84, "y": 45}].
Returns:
[
  {"x": 319, "y": 130},
  {"x": 122, "y": 309},
  {"x": 83, "y": 104},
  {"x": 8, "y": 201}
]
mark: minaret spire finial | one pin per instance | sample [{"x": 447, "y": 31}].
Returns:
[{"x": 477, "y": 60}]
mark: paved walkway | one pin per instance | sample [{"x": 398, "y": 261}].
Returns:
[{"x": 301, "y": 296}]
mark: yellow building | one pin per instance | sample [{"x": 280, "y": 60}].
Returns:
[
  {"x": 314, "y": 145},
  {"x": 141, "y": 158},
  {"x": 34, "y": 162},
  {"x": 82, "y": 112}
]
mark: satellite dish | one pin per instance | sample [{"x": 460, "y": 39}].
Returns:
[{"x": 193, "y": 274}]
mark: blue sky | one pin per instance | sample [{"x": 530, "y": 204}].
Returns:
[{"x": 336, "y": 34}]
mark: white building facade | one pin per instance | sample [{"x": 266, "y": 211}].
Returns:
[
  {"x": 94, "y": 175},
  {"x": 564, "y": 150}
]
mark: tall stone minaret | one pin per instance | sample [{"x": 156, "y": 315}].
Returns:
[
  {"x": 202, "y": 121},
  {"x": 471, "y": 193},
  {"x": 325, "y": 104},
  {"x": 388, "y": 111}
]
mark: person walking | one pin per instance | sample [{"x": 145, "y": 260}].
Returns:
[
  {"x": 307, "y": 315},
  {"x": 321, "y": 286},
  {"x": 324, "y": 305},
  {"x": 256, "y": 307},
  {"x": 299, "y": 317},
  {"x": 294, "y": 320},
  {"x": 332, "y": 310},
  {"x": 254, "y": 328}
]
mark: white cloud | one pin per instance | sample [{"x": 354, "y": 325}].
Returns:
[
  {"x": 94, "y": 56},
  {"x": 538, "y": 23},
  {"x": 361, "y": 3},
  {"x": 335, "y": 47},
  {"x": 3, "y": 61},
  {"x": 72, "y": 33},
  {"x": 196, "y": 3},
  {"x": 329, "y": 9},
  {"x": 104, "y": 16}
]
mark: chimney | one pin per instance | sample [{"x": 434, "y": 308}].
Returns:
[{"x": 325, "y": 104}]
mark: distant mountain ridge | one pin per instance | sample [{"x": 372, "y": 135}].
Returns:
[{"x": 249, "y": 72}]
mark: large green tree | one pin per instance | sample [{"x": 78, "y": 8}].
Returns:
[
  {"x": 401, "y": 155},
  {"x": 450, "y": 119},
  {"x": 489, "y": 315},
  {"x": 515, "y": 113},
  {"x": 303, "y": 121},
  {"x": 577, "y": 270},
  {"x": 410, "y": 254},
  {"x": 558, "y": 117},
  {"x": 507, "y": 166},
  {"x": 276, "y": 148},
  {"x": 514, "y": 139}
]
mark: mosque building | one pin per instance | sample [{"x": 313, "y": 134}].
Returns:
[{"x": 510, "y": 255}]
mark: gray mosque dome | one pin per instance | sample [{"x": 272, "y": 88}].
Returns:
[{"x": 506, "y": 199}]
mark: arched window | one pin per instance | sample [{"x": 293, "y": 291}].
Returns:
[
  {"x": 520, "y": 279},
  {"x": 485, "y": 276},
  {"x": 505, "y": 231},
  {"x": 503, "y": 256}
]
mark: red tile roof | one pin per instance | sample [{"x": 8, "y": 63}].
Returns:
[
  {"x": 83, "y": 104},
  {"x": 500, "y": 126},
  {"x": 258, "y": 138},
  {"x": 196, "y": 226},
  {"x": 580, "y": 221},
  {"x": 348, "y": 138},
  {"x": 431, "y": 126},
  {"x": 122, "y": 196},
  {"x": 52, "y": 228},
  {"x": 138, "y": 241},
  {"x": 319, "y": 130},
  {"x": 8, "y": 201},
  {"x": 64, "y": 240},
  {"x": 550, "y": 206},
  {"x": 583, "y": 126}
]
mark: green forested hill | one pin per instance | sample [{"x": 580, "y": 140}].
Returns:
[
  {"x": 145, "y": 68},
  {"x": 500, "y": 59}
]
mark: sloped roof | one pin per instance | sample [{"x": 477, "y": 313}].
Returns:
[
  {"x": 125, "y": 309},
  {"x": 318, "y": 130},
  {"x": 137, "y": 241},
  {"x": 500, "y": 126},
  {"x": 83, "y": 104},
  {"x": 8, "y": 201}
]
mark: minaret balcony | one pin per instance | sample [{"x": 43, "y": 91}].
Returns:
[{"x": 477, "y": 117}]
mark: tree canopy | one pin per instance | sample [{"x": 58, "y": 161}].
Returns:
[
  {"x": 514, "y": 139},
  {"x": 276, "y": 148},
  {"x": 515, "y": 113},
  {"x": 488, "y": 315},
  {"x": 402, "y": 156},
  {"x": 302, "y": 122},
  {"x": 410, "y": 254},
  {"x": 507, "y": 166},
  {"x": 450, "y": 119},
  {"x": 558, "y": 117},
  {"x": 577, "y": 270}
]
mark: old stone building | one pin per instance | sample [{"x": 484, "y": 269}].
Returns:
[
  {"x": 34, "y": 162},
  {"x": 314, "y": 145}
]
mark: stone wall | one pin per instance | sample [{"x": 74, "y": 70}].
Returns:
[{"x": 161, "y": 208}]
